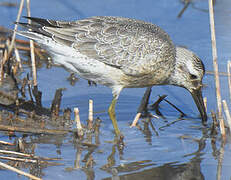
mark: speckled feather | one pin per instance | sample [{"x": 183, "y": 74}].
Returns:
[
  {"x": 119, "y": 53},
  {"x": 136, "y": 53},
  {"x": 136, "y": 47}
]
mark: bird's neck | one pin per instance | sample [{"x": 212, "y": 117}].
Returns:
[
  {"x": 175, "y": 78},
  {"x": 179, "y": 67}
]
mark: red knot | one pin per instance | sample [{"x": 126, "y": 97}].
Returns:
[{"x": 119, "y": 53}]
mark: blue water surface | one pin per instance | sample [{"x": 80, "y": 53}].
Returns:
[{"x": 183, "y": 150}]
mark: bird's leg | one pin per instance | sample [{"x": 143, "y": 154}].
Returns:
[
  {"x": 143, "y": 106},
  {"x": 144, "y": 101},
  {"x": 111, "y": 112}
]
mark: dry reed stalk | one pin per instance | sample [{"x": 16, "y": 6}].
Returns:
[
  {"x": 220, "y": 73},
  {"x": 25, "y": 48},
  {"x": 27, "y": 155},
  {"x": 15, "y": 28},
  {"x": 25, "y": 160},
  {"x": 9, "y": 48},
  {"x": 229, "y": 78},
  {"x": 32, "y": 130},
  {"x": 19, "y": 171},
  {"x": 205, "y": 103},
  {"x": 20, "y": 41},
  {"x": 5, "y": 57},
  {"x": 89, "y": 145},
  {"x": 15, "y": 153},
  {"x": 136, "y": 119},
  {"x": 19, "y": 159},
  {"x": 222, "y": 128},
  {"x": 226, "y": 109},
  {"x": 6, "y": 143},
  {"x": 17, "y": 56},
  {"x": 32, "y": 48},
  {"x": 215, "y": 64},
  {"x": 78, "y": 123},
  {"x": 90, "y": 114}
]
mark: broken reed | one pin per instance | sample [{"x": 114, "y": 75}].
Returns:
[
  {"x": 90, "y": 114},
  {"x": 32, "y": 49},
  {"x": 15, "y": 29},
  {"x": 22, "y": 45},
  {"x": 9, "y": 48},
  {"x": 228, "y": 118},
  {"x": 79, "y": 127},
  {"x": 229, "y": 77},
  {"x": 215, "y": 64},
  {"x": 217, "y": 83},
  {"x": 226, "y": 109},
  {"x": 205, "y": 103},
  {"x": 6, "y": 166},
  {"x": 136, "y": 119},
  {"x": 78, "y": 123}
]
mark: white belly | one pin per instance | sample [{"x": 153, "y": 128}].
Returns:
[{"x": 87, "y": 68}]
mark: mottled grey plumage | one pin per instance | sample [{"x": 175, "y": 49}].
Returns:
[{"x": 119, "y": 53}]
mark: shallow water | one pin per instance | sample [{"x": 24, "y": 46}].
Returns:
[{"x": 184, "y": 149}]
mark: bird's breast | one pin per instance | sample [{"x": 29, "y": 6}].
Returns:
[{"x": 157, "y": 77}]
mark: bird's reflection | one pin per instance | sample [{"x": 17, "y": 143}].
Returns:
[{"x": 170, "y": 171}]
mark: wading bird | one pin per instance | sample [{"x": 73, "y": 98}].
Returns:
[{"x": 119, "y": 53}]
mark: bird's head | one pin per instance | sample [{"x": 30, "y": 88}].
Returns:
[{"x": 189, "y": 72}]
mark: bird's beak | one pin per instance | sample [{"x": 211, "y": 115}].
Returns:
[{"x": 198, "y": 99}]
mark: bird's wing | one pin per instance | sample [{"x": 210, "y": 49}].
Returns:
[{"x": 134, "y": 46}]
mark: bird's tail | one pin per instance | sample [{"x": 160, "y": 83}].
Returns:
[
  {"x": 31, "y": 35},
  {"x": 35, "y": 30}
]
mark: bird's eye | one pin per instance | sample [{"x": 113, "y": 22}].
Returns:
[{"x": 192, "y": 76}]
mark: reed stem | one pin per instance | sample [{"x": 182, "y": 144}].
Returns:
[
  {"x": 33, "y": 64},
  {"x": 215, "y": 64}
]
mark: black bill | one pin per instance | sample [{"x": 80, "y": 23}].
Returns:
[{"x": 197, "y": 96}]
